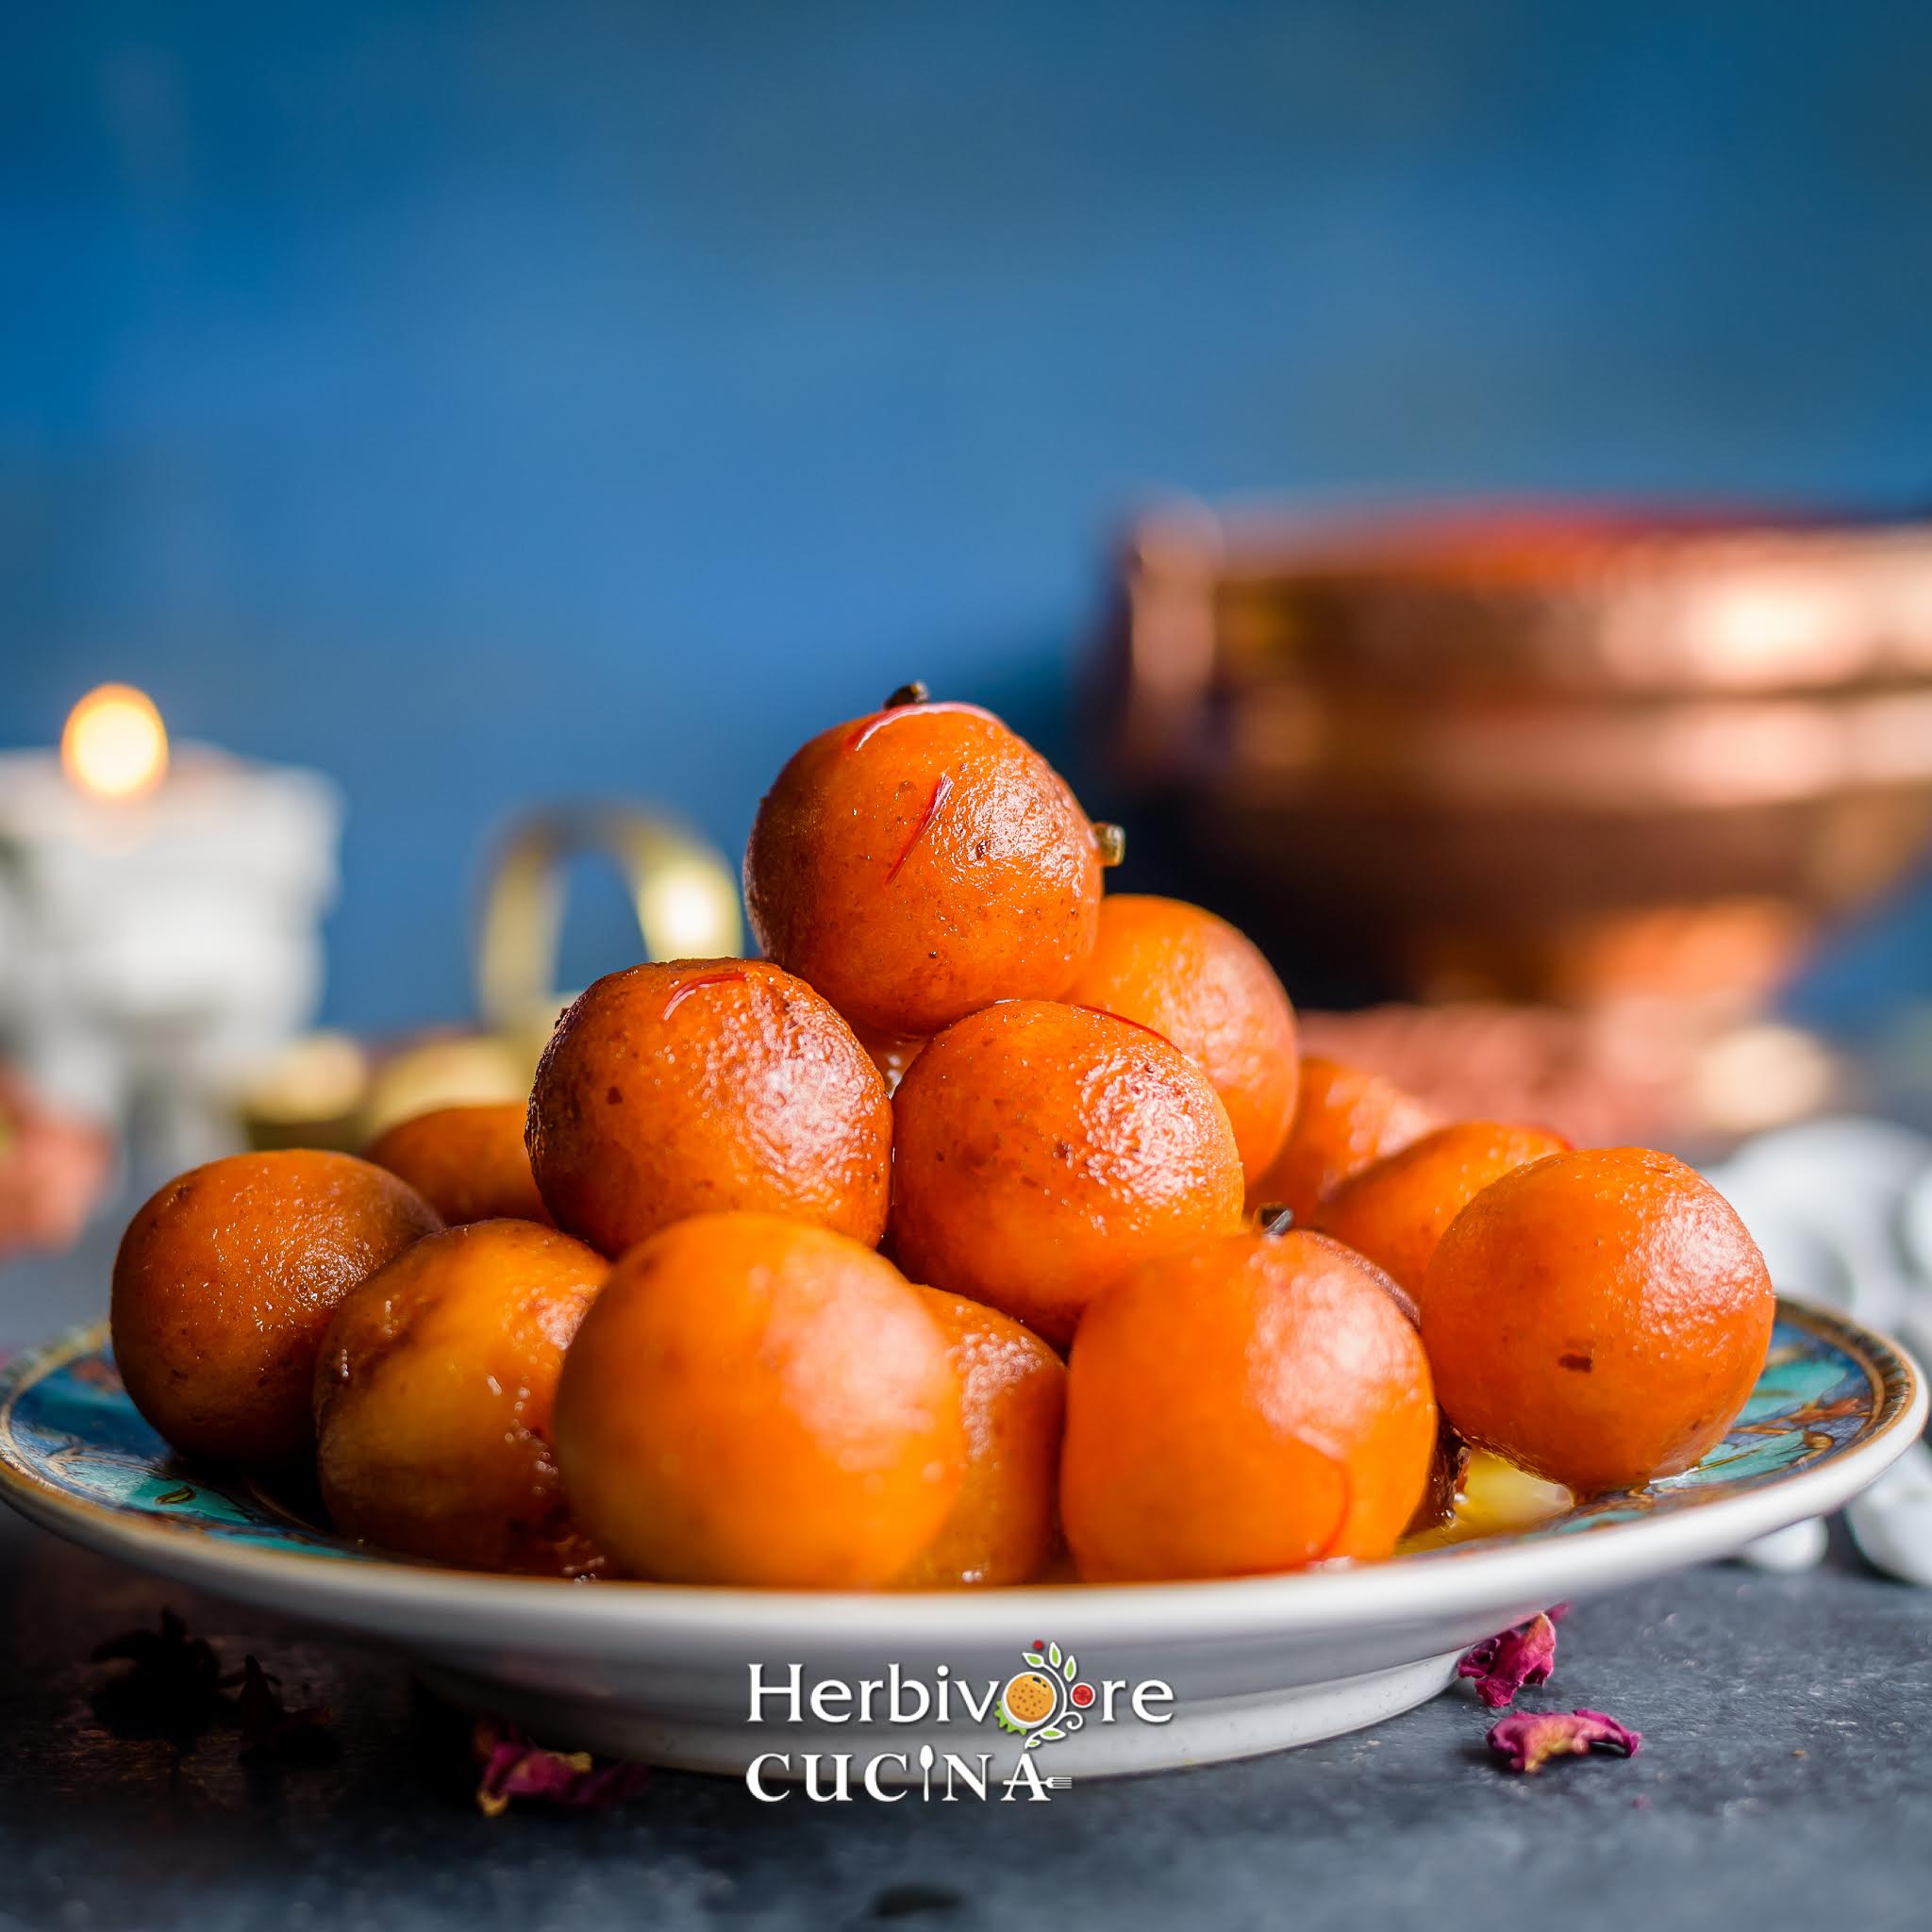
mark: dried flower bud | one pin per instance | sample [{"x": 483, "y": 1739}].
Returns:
[
  {"x": 1528, "y": 1739},
  {"x": 269, "y": 1728},
  {"x": 173, "y": 1685}
]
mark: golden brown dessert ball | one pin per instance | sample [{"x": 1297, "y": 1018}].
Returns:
[
  {"x": 1396, "y": 1209},
  {"x": 919, "y": 864},
  {"x": 433, "y": 1400},
  {"x": 1201, "y": 984},
  {"x": 1044, "y": 1150},
  {"x": 703, "y": 1086},
  {"x": 1345, "y": 1120},
  {"x": 225, "y": 1282},
  {"x": 754, "y": 1400},
  {"x": 468, "y": 1162},
  {"x": 1012, "y": 1397},
  {"x": 1249, "y": 1403},
  {"x": 1598, "y": 1318}
]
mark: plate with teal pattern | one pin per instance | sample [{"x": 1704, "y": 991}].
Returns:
[{"x": 669, "y": 1674}]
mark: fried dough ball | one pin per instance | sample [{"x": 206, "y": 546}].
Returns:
[
  {"x": 1246, "y": 1404},
  {"x": 759, "y": 1401},
  {"x": 468, "y": 1162},
  {"x": 706, "y": 1085},
  {"x": 1012, "y": 1396},
  {"x": 1345, "y": 1120},
  {"x": 1203, "y": 985},
  {"x": 225, "y": 1281},
  {"x": 433, "y": 1400},
  {"x": 1043, "y": 1150},
  {"x": 1598, "y": 1318},
  {"x": 1397, "y": 1209},
  {"x": 920, "y": 863}
]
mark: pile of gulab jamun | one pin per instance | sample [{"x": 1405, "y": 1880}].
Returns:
[{"x": 991, "y": 1227}]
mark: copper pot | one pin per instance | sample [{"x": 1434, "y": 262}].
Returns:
[{"x": 1533, "y": 752}]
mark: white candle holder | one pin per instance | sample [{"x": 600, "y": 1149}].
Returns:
[{"x": 152, "y": 946}]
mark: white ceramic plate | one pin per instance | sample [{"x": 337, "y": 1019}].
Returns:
[{"x": 664, "y": 1674}]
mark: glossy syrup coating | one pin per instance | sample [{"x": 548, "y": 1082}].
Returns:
[
  {"x": 1345, "y": 1118},
  {"x": 225, "y": 1281},
  {"x": 1043, "y": 1150},
  {"x": 706, "y": 1085},
  {"x": 920, "y": 863},
  {"x": 433, "y": 1400},
  {"x": 1396, "y": 1211},
  {"x": 891, "y": 1053},
  {"x": 1201, "y": 984},
  {"x": 468, "y": 1162},
  {"x": 1248, "y": 1405},
  {"x": 1598, "y": 1318},
  {"x": 758, "y": 1401},
  {"x": 1012, "y": 1399}
]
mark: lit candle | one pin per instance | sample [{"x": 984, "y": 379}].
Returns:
[
  {"x": 115, "y": 744},
  {"x": 160, "y": 917}
]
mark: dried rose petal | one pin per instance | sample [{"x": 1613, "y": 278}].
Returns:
[
  {"x": 515, "y": 1768},
  {"x": 1503, "y": 1665},
  {"x": 1529, "y": 1739}
]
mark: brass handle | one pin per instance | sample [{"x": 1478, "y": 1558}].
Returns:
[{"x": 684, "y": 893}]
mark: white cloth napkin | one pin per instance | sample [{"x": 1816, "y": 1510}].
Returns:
[{"x": 1843, "y": 1210}]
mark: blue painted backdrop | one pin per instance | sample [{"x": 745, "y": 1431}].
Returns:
[{"x": 484, "y": 401}]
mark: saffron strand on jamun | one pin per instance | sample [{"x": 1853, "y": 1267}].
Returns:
[{"x": 921, "y": 862}]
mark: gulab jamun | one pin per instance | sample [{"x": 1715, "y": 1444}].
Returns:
[
  {"x": 1345, "y": 1120},
  {"x": 1012, "y": 1398},
  {"x": 225, "y": 1281},
  {"x": 1598, "y": 1318},
  {"x": 703, "y": 1086},
  {"x": 1252, "y": 1403},
  {"x": 1201, "y": 984},
  {"x": 754, "y": 1400},
  {"x": 468, "y": 1162},
  {"x": 433, "y": 1400},
  {"x": 1396, "y": 1209},
  {"x": 1043, "y": 1150},
  {"x": 921, "y": 862}
]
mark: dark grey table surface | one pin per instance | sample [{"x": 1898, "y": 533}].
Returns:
[{"x": 1786, "y": 1777}]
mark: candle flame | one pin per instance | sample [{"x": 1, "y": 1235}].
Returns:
[{"x": 114, "y": 745}]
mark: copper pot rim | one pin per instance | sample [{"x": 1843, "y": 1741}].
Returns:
[
  {"x": 1594, "y": 599},
  {"x": 1499, "y": 538}
]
